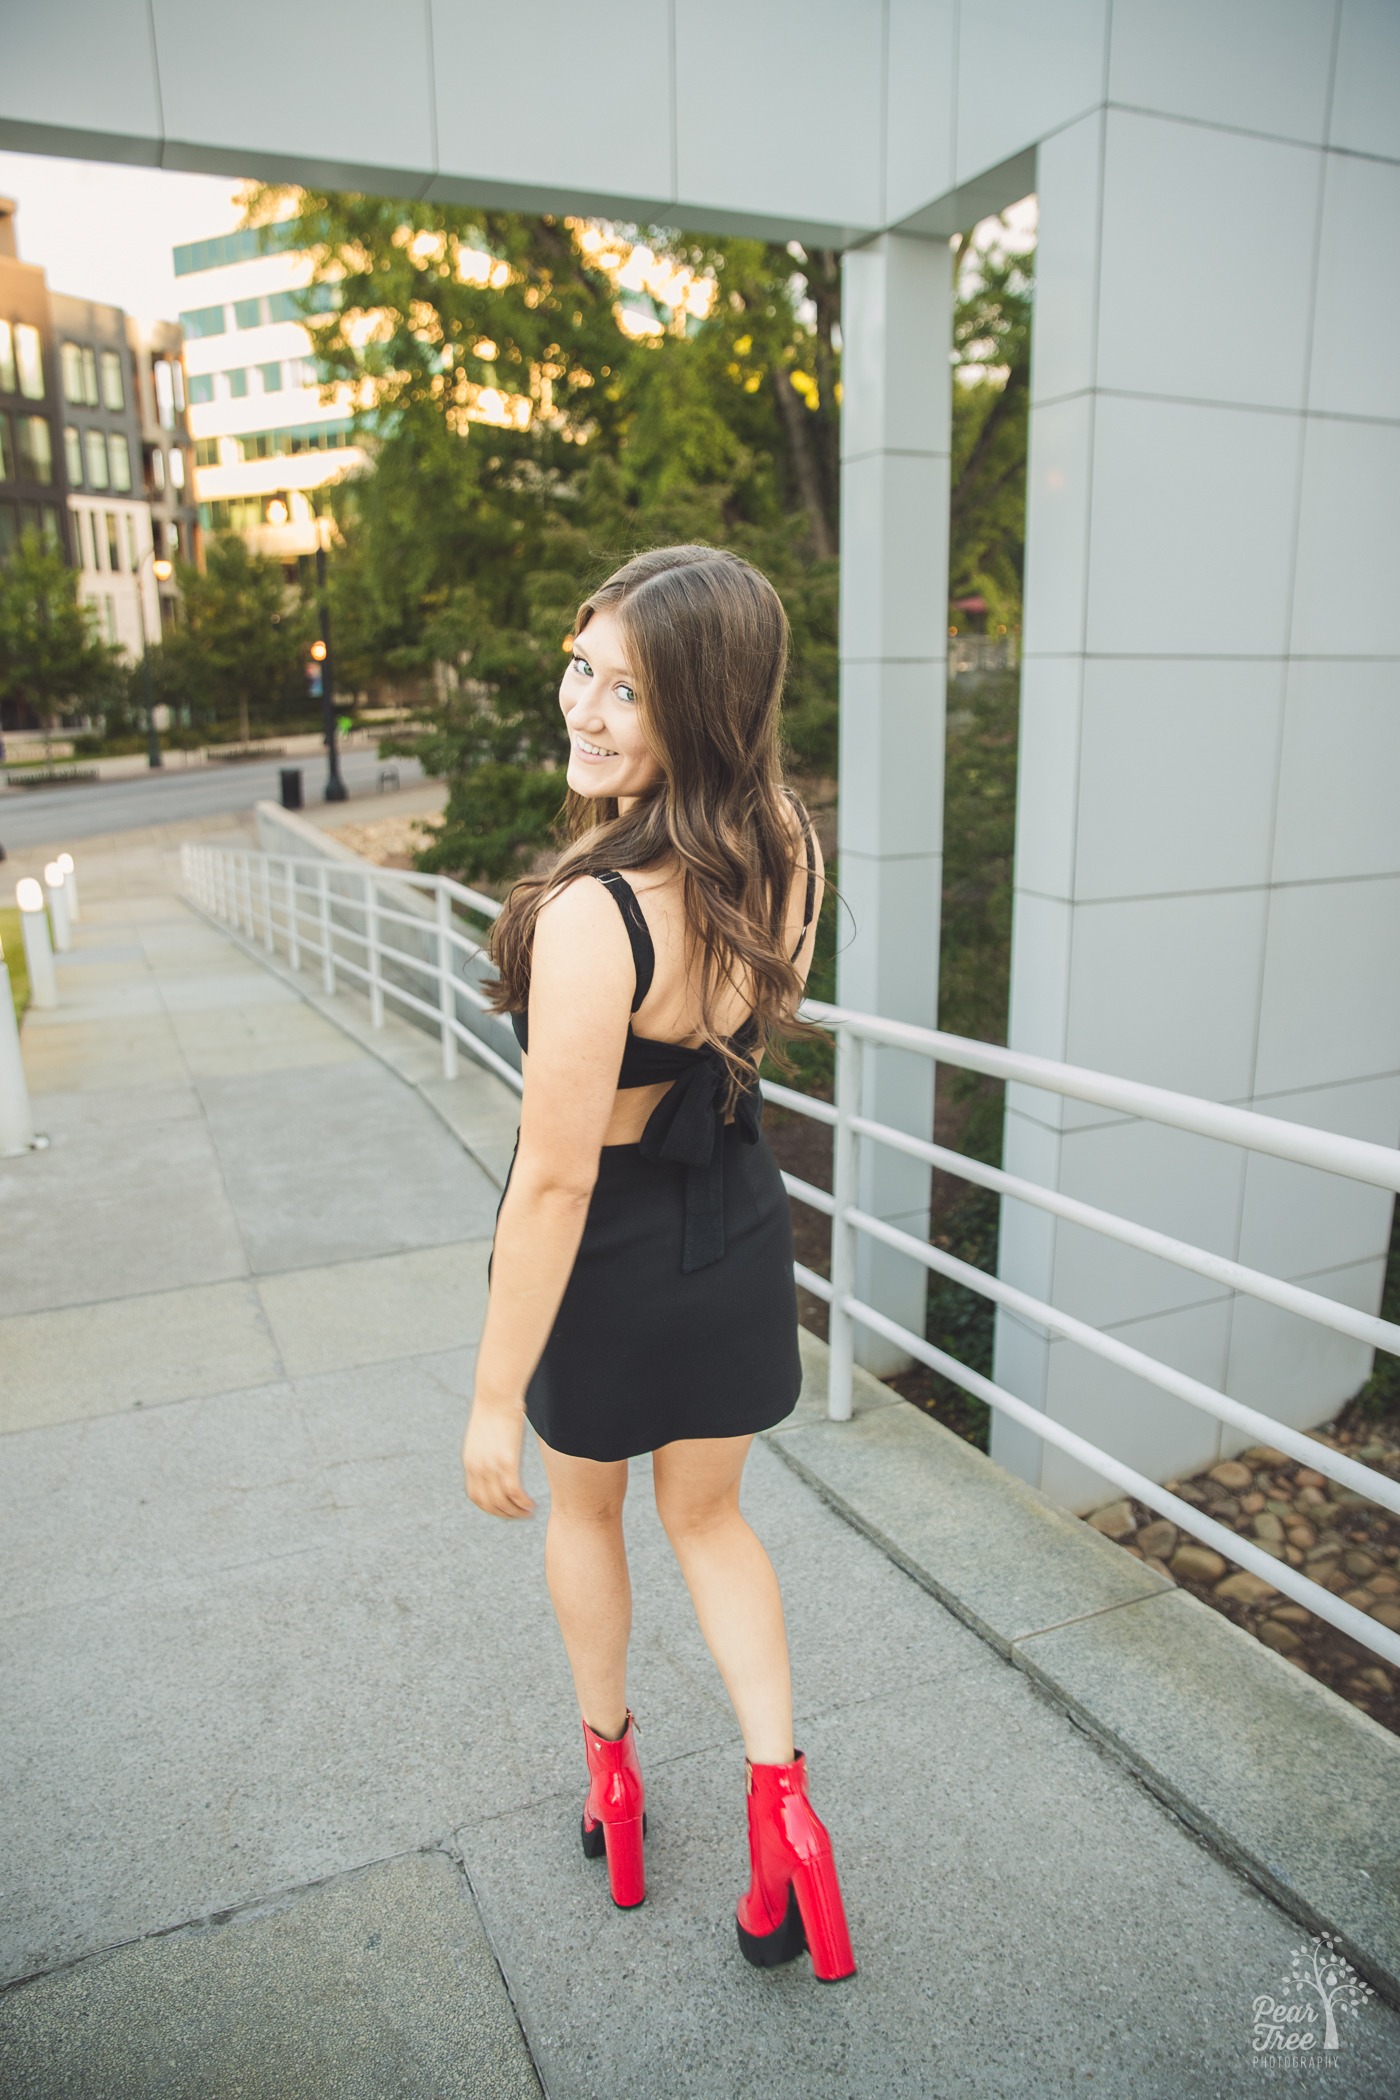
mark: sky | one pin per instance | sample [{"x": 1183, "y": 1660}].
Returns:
[{"x": 105, "y": 232}]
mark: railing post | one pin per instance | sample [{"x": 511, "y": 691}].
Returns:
[
  {"x": 840, "y": 1326},
  {"x": 376, "y": 988},
  {"x": 293, "y": 914},
  {"x": 220, "y": 886},
  {"x": 447, "y": 1003},
  {"x": 247, "y": 861},
  {"x": 323, "y": 884},
  {"x": 268, "y": 941}
]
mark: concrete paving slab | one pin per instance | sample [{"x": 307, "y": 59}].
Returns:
[
  {"x": 124, "y": 1505},
  {"x": 115, "y": 1208},
  {"x": 100, "y": 994},
  {"x": 378, "y": 1986},
  {"x": 233, "y": 1043},
  {"x": 1025, "y": 1919},
  {"x": 236, "y": 983},
  {"x": 95, "y": 1056},
  {"x": 267, "y": 1638},
  {"x": 363, "y": 1312},
  {"x": 1280, "y": 1743},
  {"x": 89, "y": 1360},
  {"x": 369, "y": 1170},
  {"x": 962, "y": 1525}
]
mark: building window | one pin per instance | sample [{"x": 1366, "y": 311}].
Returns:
[
  {"x": 36, "y": 448},
  {"x": 8, "y": 532},
  {"x": 206, "y": 452},
  {"x": 300, "y": 437},
  {"x": 177, "y": 383},
  {"x": 132, "y": 557},
  {"x": 7, "y": 359},
  {"x": 109, "y": 607},
  {"x": 203, "y": 321},
  {"x": 113, "y": 392},
  {"x": 114, "y": 550},
  {"x": 237, "y": 384},
  {"x": 250, "y": 313},
  {"x": 177, "y": 467},
  {"x": 29, "y": 360},
  {"x": 174, "y": 539},
  {"x": 161, "y": 373},
  {"x": 119, "y": 453},
  {"x": 201, "y": 390},
  {"x": 271, "y": 378},
  {"x": 79, "y": 375},
  {"x": 96, "y": 450},
  {"x": 73, "y": 456},
  {"x": 49, "y": 529},
  {"x": 155, "y": 470},
  {"x": 7, "y": 451},
  {"x": 94, "y": 539}
]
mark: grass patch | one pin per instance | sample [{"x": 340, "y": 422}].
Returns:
[{"x": 12, "y": 939}]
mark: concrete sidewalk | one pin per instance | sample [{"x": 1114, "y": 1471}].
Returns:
[{"x": 293, "y": 1756}]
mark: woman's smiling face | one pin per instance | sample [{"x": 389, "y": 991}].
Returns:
[{"x": 608, "y": 755}]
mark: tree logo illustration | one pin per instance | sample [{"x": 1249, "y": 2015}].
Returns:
[{"x": 1328, "y": 1989}]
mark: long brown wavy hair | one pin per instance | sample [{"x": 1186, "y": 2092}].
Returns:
[{"x": 707, "y": 638}]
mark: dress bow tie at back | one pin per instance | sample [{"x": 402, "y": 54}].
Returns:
[{"x": 687, "y": 1127}]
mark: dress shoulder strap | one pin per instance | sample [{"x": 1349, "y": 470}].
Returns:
[
  {"x": 638, "y": 932},
  {"x": 807, "y": 839}
]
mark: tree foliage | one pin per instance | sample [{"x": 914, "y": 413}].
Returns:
[
  {"x": 991, "y": 400},
  {"x": 237, "y": 651},
  {"x": 526, "y": 438},
  {"x": 52, "y": 661}
]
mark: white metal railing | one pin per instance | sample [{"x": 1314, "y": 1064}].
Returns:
[{"x": 345, "y": 918}]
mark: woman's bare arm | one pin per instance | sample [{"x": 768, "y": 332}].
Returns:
[{"x": 581, "y": 987}]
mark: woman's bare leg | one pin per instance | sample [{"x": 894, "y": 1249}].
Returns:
[
  {"x": 586, "y": 1567},
  {"x": 732, "y": 1585}
]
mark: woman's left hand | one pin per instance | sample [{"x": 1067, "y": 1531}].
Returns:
[{"x": 491, "y": 1459}]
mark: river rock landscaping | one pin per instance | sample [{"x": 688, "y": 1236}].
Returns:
[{"x": 1299, "y": 1515}]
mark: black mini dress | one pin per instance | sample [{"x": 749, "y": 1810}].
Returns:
[{"x": 679, "y": 1318}]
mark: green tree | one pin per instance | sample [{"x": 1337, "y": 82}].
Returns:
[
  {"x": 991, "y": 399},
  {"x": 237, "y": 650},
  {"x": 462, "y": 555},
  {"x": 51, "y": 658}
]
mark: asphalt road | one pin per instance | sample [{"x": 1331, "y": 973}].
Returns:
[{"x": 40, "y": 816}]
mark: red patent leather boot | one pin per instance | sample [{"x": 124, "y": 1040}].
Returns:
[
  {"x": 794, "y": 1898},
  {"x": 614, "y": 1816}
]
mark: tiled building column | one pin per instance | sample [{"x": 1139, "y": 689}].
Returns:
[
  {"x": 896, "y": 319},
  {"x": 1208, "y": 846}
]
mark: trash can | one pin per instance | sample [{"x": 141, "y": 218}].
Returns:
[{"x": 291, "y": 787}]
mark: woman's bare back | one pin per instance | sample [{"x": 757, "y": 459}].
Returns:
[{"x": 669, "y": 1009}]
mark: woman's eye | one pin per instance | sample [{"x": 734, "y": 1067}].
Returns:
[
  {"x": 582, "y": 664},
  {"x": 625, "y": 692}
]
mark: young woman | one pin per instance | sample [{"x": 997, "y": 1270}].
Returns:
[{"x": 641, "y": 1287}]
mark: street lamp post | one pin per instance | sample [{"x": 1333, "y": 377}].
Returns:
[
  {"x": 321, "y": 651},
  {"x": 161, "y": 570}
]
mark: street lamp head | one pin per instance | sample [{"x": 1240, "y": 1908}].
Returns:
[
  {"x": 164, "y": 570},
  {"x": 277, "y": 512},
  {"x": 318, "y": 652},
  {"x": 28, "y": 895},
  {"x": 53, "y": 875},
  {"x": 65, "y": 861}
]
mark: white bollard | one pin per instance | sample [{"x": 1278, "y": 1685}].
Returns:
[
  {"x": 16, "y": 1123},
  {"x": 70, "y": 883},
  {"x": 58, "y": 907},
  {"x": 38, "y": 955}
]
